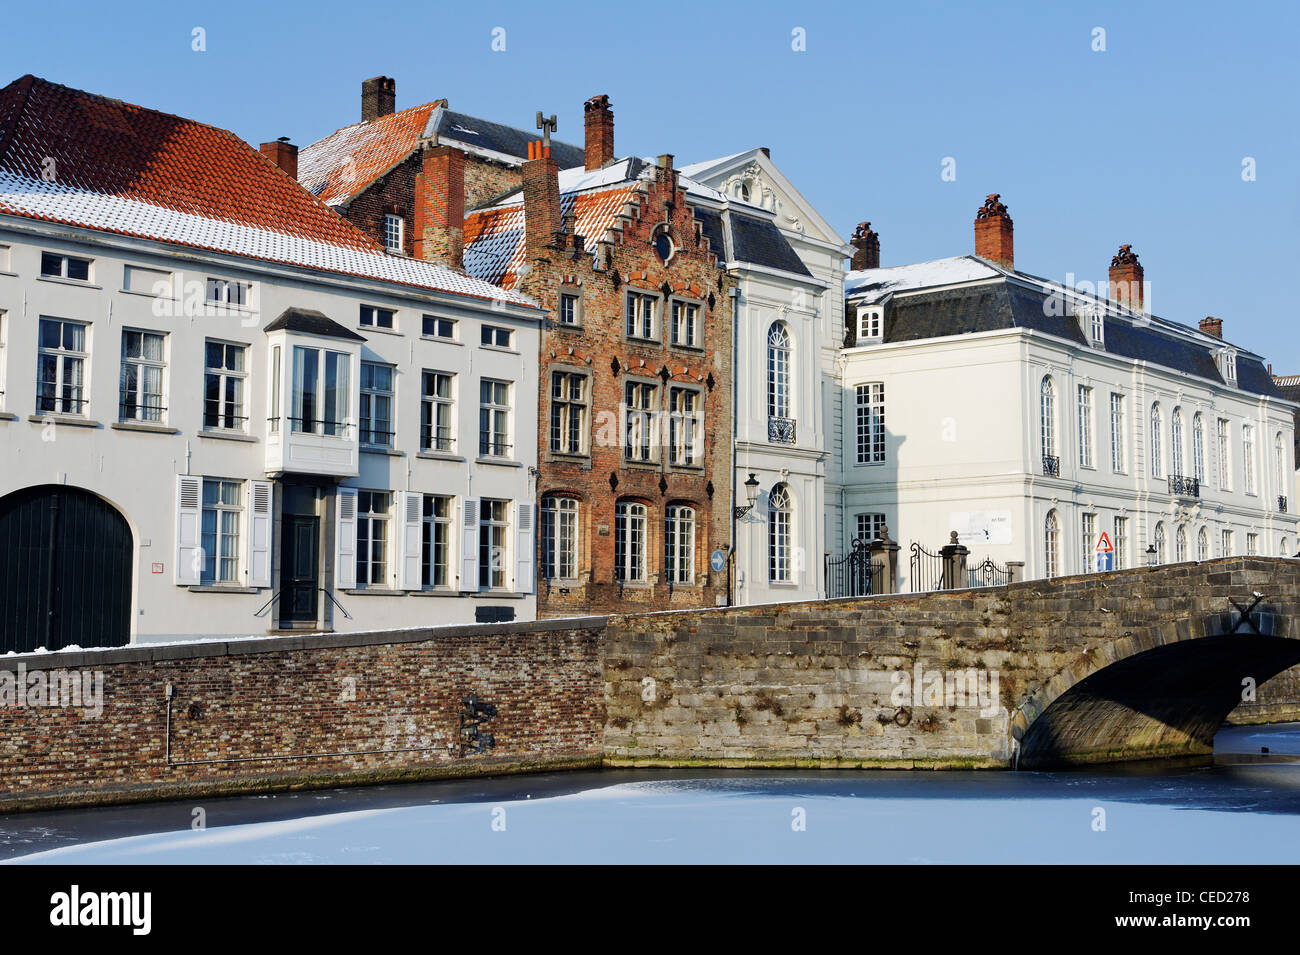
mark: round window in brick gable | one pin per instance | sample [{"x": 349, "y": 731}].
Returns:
[{"x": 663, "y": 244}]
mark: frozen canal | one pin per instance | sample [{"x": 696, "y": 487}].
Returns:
[{"x": 1244, "y": 808}]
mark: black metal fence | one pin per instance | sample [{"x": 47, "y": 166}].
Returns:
[
  {"x": 987, "y": 574},
  {"x": 854, "y": 574},
  {"x": 926, "y": 570}
]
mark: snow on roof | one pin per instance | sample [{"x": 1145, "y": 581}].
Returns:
[
  {"x": 336, "y": 168},
  {"x": 874, "y": 284},
  {"x": 83, "y": 160}
]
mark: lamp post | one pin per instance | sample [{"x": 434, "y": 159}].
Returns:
[
  {"x": 1153, "y": 557},
  {"x": 751, "y": 492}
]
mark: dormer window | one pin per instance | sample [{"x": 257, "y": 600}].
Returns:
[
  {"x": 1094, "y": 320},
  {"x": 871, "y": 326},
  {"x": 1228, "y": 365}
]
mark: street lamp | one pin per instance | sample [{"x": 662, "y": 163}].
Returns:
[
  {"x": 1153, "y": 557},
  {"x": 751, "y": 492}
]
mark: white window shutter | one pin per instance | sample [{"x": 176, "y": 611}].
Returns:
[
  {"x": 469, "y": 548},
  {"x": 524, "y": 550},
  {"x": 345, "y": 539},
  {"x": 412, "y": 543},
  {"x": 259, "y": 534},
  {"x": 189, "y": 522}
]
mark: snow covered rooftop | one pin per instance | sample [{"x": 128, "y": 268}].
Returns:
[
  {"x": 874, "y": 284},
  {"x": 84, "y": 160}
]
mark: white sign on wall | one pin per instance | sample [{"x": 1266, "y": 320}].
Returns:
[{"x": 975, "y": 528}]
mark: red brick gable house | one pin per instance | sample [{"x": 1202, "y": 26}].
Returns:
[{"x": 635, "y": 377}]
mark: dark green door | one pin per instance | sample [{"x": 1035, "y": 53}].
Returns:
[
  {"x": 299, "y": 569},
  {"x": 65, "y": 570}
]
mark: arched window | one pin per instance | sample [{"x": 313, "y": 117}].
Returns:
[
  {"x": 1159, "y": 541},
  {"x": 1198, "y": 448},
  {"x": 1180, "y": 545},
  {"x": 1047, "y": 419},
  {"x": 559, "y": 545},
  {"x": 1051, "y": 545},
  {"x": 679, "y": 544},
  {"x": 778, "y": 535},
  {"x": 1157, "y": 467},
  {"x": 778, "y": 371},
  {"x": 630, "y": 542},
  {"x": 1176, "y": 442},
  {"x": 1202, "y": 544}
]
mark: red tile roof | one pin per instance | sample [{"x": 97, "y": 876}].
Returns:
[
  {"x": 336, "y": 168},
  {"x": 73, "y": 157}
]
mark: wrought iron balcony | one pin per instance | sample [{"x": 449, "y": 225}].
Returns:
[
  {"x": 1051, "y": 465},
  {"x": 1182, "y": 486},
  {"x": 780, "y": 430},
  {"x": 1281, "y": 503}
]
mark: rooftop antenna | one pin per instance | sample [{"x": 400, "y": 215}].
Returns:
[{"x": 547, "y": 126}]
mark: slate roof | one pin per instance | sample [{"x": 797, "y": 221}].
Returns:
[
  {"x": 75, "y": 158},
  {"x": 964, "y": 310},
  {"x": 311, "y": 322},
  {"x": 760, "y": 242},
  {"x": 346, "y": 162}
]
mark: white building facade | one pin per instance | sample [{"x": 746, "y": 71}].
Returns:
[
  {"x": 215, "y": 429},
  {"x": 1032, "y": 420},
  {"x": 789, "y": 264}
]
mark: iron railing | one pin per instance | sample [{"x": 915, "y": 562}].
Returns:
[
  {"x": 854, "y": 574},
  {"x": 1182, "y": 486},
  {"x": 926, "y": 570},
  {"x": 987, "y": 574},
  {"x": 1051, "y": 465},
  {"x": 780, "y": 430}
]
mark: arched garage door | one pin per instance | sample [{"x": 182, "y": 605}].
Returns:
[{"x": 65, "y": 570}]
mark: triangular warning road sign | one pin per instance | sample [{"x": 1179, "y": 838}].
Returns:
[{"x": 1104, "y": 545}]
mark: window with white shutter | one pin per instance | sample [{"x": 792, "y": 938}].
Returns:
[
  {"x": 524, "y": 550},
  {"x": 189, "y": 554},
  {"x": 411, "y": 547},
  {"x": 345, "y": 563},
  {"x": 469, "y": 545},
  {"x": 259, "y": 534}
]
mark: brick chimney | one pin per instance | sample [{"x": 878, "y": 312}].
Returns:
[
  {"x": 378, "y": 97},
  {"x": 440, "y": 206},
  {"x": 993, "y": 233},
  {"x": 541, "y": 181},
  {"x": 1212, "y": 326},
  {"x": 599, "y": 119},
  {"x": 1126, "y": 278},
  {"x": 283, "y": 153},
  {"x": 866, "y": 248}
]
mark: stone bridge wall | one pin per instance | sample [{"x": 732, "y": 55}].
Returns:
[{"x": 812, "y": 684}]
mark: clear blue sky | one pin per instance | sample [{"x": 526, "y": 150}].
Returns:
[{"x": 1142, "y": 143}]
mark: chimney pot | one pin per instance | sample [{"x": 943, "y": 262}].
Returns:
[
  {"x": 1126, "y": 279},
  {"x": 599, "y": 122},
  {"x": 283, "y": 153},
  {"x": 1212, "y": 326},
  {"x": 378, "y": 97},
  {"x": 866, "y": 248},
  {"x": 541, "y": 182},
  {"x": 993, "y": 233}
]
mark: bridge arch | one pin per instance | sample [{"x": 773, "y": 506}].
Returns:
[{"x": 1162, "y": 691}]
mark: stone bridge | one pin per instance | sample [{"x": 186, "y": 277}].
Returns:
[{"x": 1127, "y": 665}]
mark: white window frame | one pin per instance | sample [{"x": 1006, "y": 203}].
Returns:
[
  {"x": 490, "y": 337},
  {"x": 434, "y": 408},
  {"x": 1051, "y": 545},
  {"x": 641, "y": 315},
  {"x": 374, "y": 572},
  {"x": 1088, "y": 542},
  {"x": 684, "y": 312},
  {"x": 871, "y": 326},
  {"x": 679, "y": 544},
  {"x": 394, "y": 232},
  {"x": 437, "y": 322},
  {"x": 685, "y": 426},
  {"x": 225, "y": 377},
  {"x": 494, "y": 408},
  {"x": 226, "y": 549},
  {"x": 144, "y": 412},
  {"x": 65, "y": 261},
  {"x": 1198, "y": 447},
  {"x": 569, "y": 309},
  {"x": 780, "y": 535},
  {"x": 1176, "y": 443},
  {"x": 493, "y": 541},
  {"x": 337, "y": 426},
  {"x": 559, "y": 533},
  {"x": 780, "y": 372},
  {"x": 375, "y": 316},
  {"x": 1047, "y": 417},
  {"x": 1118, "y": 433},
  {"x": 1120, "y": 543},
  {"x": 66, "y": 359},
  {"x": 1223, "y": 434},
  {"x": 631, "y": 543},
  {"x": 226, "y": 293},
  {"x": 371, "y": 396},
  {"x": 870, "y": 423},
  {"x": 640, "y": 412},
  {"x": 1248, "y": 459},
  {"x": 430, "y": 523},
  {"x": 1085, "y": 427},
  {"x": 567, "y": 427},
  {"x": 1156, "y": 441}
]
